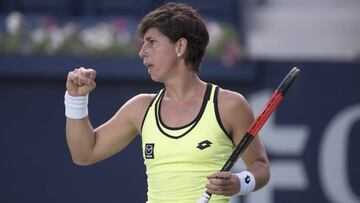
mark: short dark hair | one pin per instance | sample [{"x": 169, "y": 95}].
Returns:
[{"x": 175, "y": 21}]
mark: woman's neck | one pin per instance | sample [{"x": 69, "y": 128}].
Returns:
[{"x": 182, "y": 88}]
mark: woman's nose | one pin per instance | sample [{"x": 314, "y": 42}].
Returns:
[{"x": 142, "y": 52}]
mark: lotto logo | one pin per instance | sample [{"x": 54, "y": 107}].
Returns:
[
  {"x": 247, "y": 179},
  {"x": 204, "y": 144}
]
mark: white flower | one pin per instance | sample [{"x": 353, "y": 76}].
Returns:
[
  {"x": 98, "y": 37},
  {"x": 57, "y": 37},
  {"x": 13, "y": 22},
  {"x": 215, "y": 33},
  {"x": 38, "y": 35},
  {"x": 70, "y": 29}
]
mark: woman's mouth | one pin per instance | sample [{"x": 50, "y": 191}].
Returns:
[{"x": 149, "y": 67}]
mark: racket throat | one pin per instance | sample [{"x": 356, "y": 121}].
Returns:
[{"x": 240, "y": 148}]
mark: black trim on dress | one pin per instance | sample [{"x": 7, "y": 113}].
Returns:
[
  {"x": 193, "y": 123},
  {"x": 216, "y": 106},
  {"x": 146, "y": 112}
]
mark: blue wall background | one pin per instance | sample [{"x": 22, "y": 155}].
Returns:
[{"x": 36, "y": 165}]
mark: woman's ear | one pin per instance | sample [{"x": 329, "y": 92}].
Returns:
[{"x": 181, "y": 46}]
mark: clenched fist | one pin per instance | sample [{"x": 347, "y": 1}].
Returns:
[
  {"x": 81, "y": 81},
  {"x": 223, "y": 183}
]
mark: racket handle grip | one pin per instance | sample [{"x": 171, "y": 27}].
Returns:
[{"x": 204, "y": 198}]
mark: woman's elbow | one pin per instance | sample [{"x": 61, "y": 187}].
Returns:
[{"x": 82, "y": 161}]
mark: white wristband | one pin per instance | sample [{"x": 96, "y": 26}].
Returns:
[
  {"x": 76, "y": 107},
  {"x": 247, "y": 182}
]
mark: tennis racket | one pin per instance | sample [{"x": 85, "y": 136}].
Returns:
[{"x": 256, "y": 125}]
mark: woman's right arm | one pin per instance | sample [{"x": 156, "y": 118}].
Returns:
[{"x": 88, "y": 145}]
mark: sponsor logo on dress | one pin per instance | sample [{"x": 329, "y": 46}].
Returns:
[
  {"x": 204, "y": 144},
  {"x": 149, "y": 150}
]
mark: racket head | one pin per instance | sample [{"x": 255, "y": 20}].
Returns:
[{"x": 288, "y": 81}]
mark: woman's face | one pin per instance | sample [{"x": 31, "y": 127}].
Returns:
[{"x": 159, "y": 55}]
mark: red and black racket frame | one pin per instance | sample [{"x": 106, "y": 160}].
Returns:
[{"x": 261, "y": 119}]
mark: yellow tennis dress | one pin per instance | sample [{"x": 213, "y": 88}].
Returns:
[{"x": 178, "y": 160}]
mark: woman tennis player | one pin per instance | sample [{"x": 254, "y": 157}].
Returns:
[{"x": 188, "y": 129}]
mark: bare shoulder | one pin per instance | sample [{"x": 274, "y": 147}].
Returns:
[
  {"x": 139, "y": 103},
  {"x": 232, "y": 100},
  {"x": 141, "y": 100},
  {"x": 234, "y": 110},
  {"x": 135, "y": 108}
]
